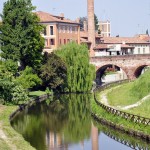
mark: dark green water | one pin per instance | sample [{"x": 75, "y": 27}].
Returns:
[{"x": 66, "y": 123}]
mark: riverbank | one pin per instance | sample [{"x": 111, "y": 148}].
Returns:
[
  {"x": 117, "y": 121},
  {"x": 9, "y": 138}
]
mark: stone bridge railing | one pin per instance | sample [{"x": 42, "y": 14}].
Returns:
[{"x": 121, "y": 57}]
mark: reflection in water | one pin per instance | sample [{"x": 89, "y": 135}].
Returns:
[
  {"x": 94, "y": 136},
  {"x": 122, "y": 138},
  {"x": 66, "y": 124}
]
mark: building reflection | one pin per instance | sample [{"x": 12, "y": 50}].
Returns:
[
  {"x": 55, "y": 141},
  {"x": 94, "y": 137}
]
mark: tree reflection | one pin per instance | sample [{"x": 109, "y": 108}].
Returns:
[{"x": 65, "y": 120}]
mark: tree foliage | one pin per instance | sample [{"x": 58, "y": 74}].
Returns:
[
  {"x": 80, "y": 74},
  {"x": 10, "y": 91},
  {"x": 53, "y": 71},
  {"x": 96, "y": 22},
  {"x": 20, "y": 33},
  {"x": 28, "y": 79},
  {"x": 82, "y": 19}
]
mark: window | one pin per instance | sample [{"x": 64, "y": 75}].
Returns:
[
  {"x": 59, "y": 29},
  {"x": 138, "y": 50},
  {"x": 46, "y": 42},
  {"x": 64, "y": 41},
  {"x": 63, "y": 29},
  {"x": 51, "y": 30},
  {"x": 44, "y": 32},
  {"x": 70, "y": 29},
  {"x": 143, "y": 50},
  {"x": 52, "y": 42},
  {"x": 102, "y": 27},
  {"x": 60, "y": 41},
  {"x": 68, "y": 40},
  {"x": 76, "y": 30}
]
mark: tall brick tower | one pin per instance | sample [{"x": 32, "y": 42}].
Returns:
[{"x": 91, "y": 25}]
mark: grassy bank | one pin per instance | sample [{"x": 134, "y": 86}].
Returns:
[
  {"x": 122, "y": 96},
  {"x": 9, "y": 138},
  {"x": 141, "y": 110},
  {"x": 130, "y": 93},
  {"x": 118, "y": 120}
]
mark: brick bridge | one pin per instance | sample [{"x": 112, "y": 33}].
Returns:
[{"x": 132, "y": 65}]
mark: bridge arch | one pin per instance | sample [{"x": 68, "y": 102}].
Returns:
[
  {"x": 103, "y": 69},
  {"x": 139, "y": 69}
]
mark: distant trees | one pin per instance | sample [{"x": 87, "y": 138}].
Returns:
[
  {"x": 96, "y": 22},
  {"x": 80, "y": 73},
  {"x": 82, "y": 19},
  {"x": 20, "y": 34}
]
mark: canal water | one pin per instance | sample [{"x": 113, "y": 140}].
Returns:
[{"x": 65, "y": 123}]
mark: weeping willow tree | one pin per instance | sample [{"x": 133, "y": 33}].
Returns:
[{"x": 80, "y": 73}]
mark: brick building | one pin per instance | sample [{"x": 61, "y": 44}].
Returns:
[
  {"x": 58, "y": 30},
  {"x": 122, "y": 46}
]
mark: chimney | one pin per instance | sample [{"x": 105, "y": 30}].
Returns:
[
  {"x": 78, "y": 20},
  {"x": 85, "y": 26},
  {"x": 62, "y": 16},
  {"x": 91, "y": 26}
]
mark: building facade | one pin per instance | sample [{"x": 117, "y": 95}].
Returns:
[
  {"x": 58, "y": 30},
  {"x": 105, "y": 28},
  {"x": 111, "y": 46}
]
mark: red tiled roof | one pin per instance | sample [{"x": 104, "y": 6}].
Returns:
[
  {"x": 101, "y": 46},
  {"x": 107, "y": 46},
  {"x": 121, "y": 40},
  {"x": 46, "y": 17}
]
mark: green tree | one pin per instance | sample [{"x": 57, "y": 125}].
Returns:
[
  {"x": 20, "y": 34},
  {"x": 96, "y": 22},
  {"x": 28, "y": 79},
  {"x": 10, "y": 91},
  {"x": 81, "y": 20},
  {"x": 53, "y": 71},
  {"x": 80, "y": 73}
]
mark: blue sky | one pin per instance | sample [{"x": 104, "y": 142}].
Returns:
[{"x": 128, "y": 17}]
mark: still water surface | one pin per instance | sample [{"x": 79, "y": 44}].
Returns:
[{"x": 66, "y": 124}]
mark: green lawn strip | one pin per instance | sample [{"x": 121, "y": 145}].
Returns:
[
  {"x": 100, "y": 112},
  {"x": 141, "y": 110},
  {"x": 122, "y": 95},
  {"x": 36, "y": 93},
  {"x": 4, "y": 145},
  {"x": 13, "y": 138}
]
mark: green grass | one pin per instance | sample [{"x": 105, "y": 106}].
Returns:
[
  {"x": 141, "y": 110},
  {"x": 100, "y": 112},
  {"x": 14, "y": 140},
  {"x": 36, "y": 93},
  {"x": 122, "y": 96}
]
